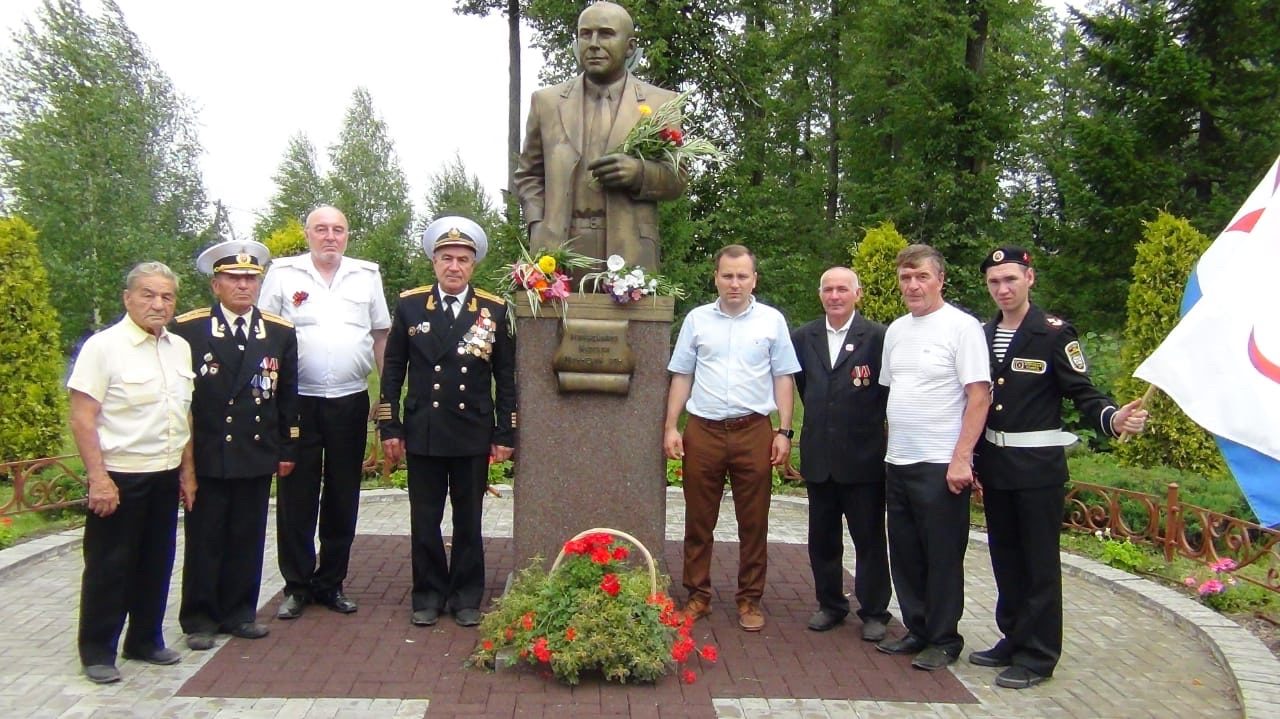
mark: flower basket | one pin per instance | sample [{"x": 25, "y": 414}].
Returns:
[{"x": 591, "y": 612}]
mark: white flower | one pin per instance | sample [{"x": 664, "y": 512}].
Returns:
[{"x": 615, "y": 263}]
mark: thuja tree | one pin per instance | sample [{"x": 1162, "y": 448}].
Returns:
[
  {"x": 30, "y": 374},
  {"x": 874, "y": 261},
  {"x": 1166, "y": 256}
]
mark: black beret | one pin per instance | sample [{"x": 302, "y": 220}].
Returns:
[{"x": 1008, "y": 253}]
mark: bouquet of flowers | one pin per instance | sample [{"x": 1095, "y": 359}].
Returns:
[
  {"x": 545, "y": 278},
  {"x": 629, "y": 285},
  {"x": 657, "y": 136},
  {"x": 590, "y": 612}
]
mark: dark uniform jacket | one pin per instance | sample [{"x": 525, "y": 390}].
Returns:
[
  {"x": 462, "y": 381},
  {"x": 245, "y": 421},
  {"x": 843, "y": 437},
  {"x": 1044, "y": 364}
]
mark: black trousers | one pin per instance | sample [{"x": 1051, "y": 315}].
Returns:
[
  {"x": 1023, "y": 526},
  {"x": 226, "y": 534},
  {"x": 325, "y": 487},
  {"x": 459, "y": 582},
  {"x": 862, "y": 505},
  {"x": 128, "y": 557},
  {"x": 928, "y": 535}
]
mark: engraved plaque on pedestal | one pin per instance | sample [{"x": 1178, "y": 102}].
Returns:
[{"x": 594, "y": 356}]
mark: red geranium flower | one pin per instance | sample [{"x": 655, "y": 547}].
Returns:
[
  {"x": 709, "y": 653},
  {"x": 620, "y": 553},
  {"x": 509, "y": 634},
  {"x": 672, "y": 135},
  {"x": 600, "y": 555},
  {"x": 488, "y": 645},
  {"x": 610, "y": 585},
  {"x": 688, "y": 677},
  {"x": 527, "y": 621},
  {"x": 570, "y": 634},
  {"x": 541, "y": 651},
  {"x": 681, "y": 650},
  {"x": 299, "y": 297}
]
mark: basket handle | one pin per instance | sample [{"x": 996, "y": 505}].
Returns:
[{"x": 648, "y": 558}]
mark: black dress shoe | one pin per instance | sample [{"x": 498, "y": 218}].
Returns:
[
  {"x": 339, "y": 603},
  {"x": 249, "y": 630},
  {"x": 425, "y": 617},
  {"x": 1019, "y": 678},
  {"x": 291, "y": 607},
  {"x": 990, "y": 658},
  {"x": 873, "y": 630},
  {"x": 933, "y": 658},
  {"x": 823, "y": 620},
  {"x": 200, "y": 641},
  {"x": 163, "y": 656},
  {"x": 102, "y": 673},
  {"x": 468, "y": 617},
  {"x": 909, "y": 644}
]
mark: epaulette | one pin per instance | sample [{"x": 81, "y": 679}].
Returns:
[
  {"x": 363, "y": 264},
  {"x": 485, "y": 295},
  {"x": 199, "y": 314},
  {"x": 277, "y": 319},
  {"x": 417, "y": 290}
]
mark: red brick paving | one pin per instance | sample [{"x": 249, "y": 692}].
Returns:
[{"x": 376, "y": 653}]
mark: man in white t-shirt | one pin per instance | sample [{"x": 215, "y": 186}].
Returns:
[
  {"x": 935, "y": 365},
  {"x": 340, "y": 315}
]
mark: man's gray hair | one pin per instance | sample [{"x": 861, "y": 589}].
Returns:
[{"x": 149, "y": 269}]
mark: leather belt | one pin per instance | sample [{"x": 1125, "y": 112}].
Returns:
[
  {"x": 731, "y": 424},
  {"x": 1039, "y": 438}
]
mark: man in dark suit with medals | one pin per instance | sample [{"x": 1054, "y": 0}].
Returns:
[
  {"x": 455, "y": 345},
  {"x": 245, "y": 420},
  {"x": 842, "y": 447},
  {"x": 1036, "y": 361}
]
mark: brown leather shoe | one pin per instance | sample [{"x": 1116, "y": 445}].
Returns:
[
  {"x": 697, "y": 608},
  {"x": 750, "y": 618}
]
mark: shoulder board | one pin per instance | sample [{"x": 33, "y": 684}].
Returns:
[
  {"x": 486, "y": 295},
  {"x": 417, "y": 291},
  {"x": 276, "y": 319},
  {"x": 290, "y": 261},
  {"x": 1054, "y": 322},
  {"x": 199, "y": 314},
  {"x": 364, "y": 264}
]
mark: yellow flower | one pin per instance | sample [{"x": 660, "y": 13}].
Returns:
[
  {"x": 547, "y": 264},
  {"x": 645, "y": 110}
]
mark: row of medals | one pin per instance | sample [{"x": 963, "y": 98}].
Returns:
[
  {"x": 478, "y": 341},
  {"x": 269, "y": 372}
]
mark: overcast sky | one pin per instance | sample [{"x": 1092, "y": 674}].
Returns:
[{"x": 258, "y": 71}]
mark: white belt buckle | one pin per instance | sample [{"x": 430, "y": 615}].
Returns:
[{"x": 998, "y": 440}]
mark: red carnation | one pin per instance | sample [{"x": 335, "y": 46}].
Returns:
[
  {"x": 299, "y": 297},
  {"x": 672, "y": 135},
  {"x": 609, "y": 585}
]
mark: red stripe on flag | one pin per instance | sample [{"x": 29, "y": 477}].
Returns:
[
  {"x": 1265, "y": 366},
  {"x": 1246, "y": 223}
]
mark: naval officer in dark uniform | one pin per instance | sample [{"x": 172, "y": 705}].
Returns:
[
  {"x": 842, "y": 447},
  {"x": 455, "y": 344},
  {"x": 245, "y": 420},
  {"x": 1036, "y": 361}
]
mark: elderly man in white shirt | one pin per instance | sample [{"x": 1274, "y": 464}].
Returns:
[
  {"x": 340, "y": 313},
  {"x": 731, "y": 367},
  {"x": 130, "y": 395}
]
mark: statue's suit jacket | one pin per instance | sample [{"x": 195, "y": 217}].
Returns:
[{"x": 553, "y": 147}]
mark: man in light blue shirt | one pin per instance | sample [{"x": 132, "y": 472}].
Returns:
[{"x": 731, "y": 367}]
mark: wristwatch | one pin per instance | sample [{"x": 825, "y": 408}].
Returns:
[{"x": 788, "y": 433}]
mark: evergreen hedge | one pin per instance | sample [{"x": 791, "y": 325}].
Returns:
[{"x": 874, "y": 259}]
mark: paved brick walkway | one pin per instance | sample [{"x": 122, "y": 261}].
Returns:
[{"x": 1133, "y": 649}]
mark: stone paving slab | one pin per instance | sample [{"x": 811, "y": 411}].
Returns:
[{"x": 1132, "y": 648}]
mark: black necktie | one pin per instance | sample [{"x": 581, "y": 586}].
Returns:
[
  {"x": 241, "y": 337},
  {"x": 449, "y": 302}
]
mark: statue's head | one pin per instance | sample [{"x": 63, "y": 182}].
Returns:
[{"x": 606, "y": 40}]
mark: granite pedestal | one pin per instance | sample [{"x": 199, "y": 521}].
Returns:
[{"x": 590, "y": 459}]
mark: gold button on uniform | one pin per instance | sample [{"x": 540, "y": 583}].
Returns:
[
  {"x": 231, "y": 401},
  {"x": 462, "y": 405},
  {"x": 228, "y": 438},
  {"x": 257, "y": 400},
  {"x": 257, "y": 419},
  {"x": 999, "y": 407},
  {"x": 435, "y": 386},
  {"x": 464, "y": 370},
  {"x": 1000, "y": 381},
  {"x": 462, "y": 387},
  {"x": 228, "y": 420},
  {"x": 256, "y": 437},
  {"x": 437, "y": 368},
  {"x": 435, "y": 404}
]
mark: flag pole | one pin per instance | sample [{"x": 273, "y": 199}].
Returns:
[{"x": 1146, "y": 397}]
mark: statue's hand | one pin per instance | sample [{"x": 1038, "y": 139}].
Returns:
[{"x": 617, "y": 171}]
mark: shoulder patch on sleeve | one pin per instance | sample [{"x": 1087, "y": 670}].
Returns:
[
  {"x": 1054, "y": 322},
  {"x": 417, "y": 291},
  {"x": 486, "y": 295},
  {"x": 199, "y": 314},
  {"x": 276, "y": 319},
  {"x": 1075, "y": 355}
]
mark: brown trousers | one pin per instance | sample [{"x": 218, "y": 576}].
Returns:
[{"x": 739, "y": 448}]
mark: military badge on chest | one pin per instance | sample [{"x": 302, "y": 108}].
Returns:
[
  {"x": 268, "y": 375},
  {"x": 419, "y": 329},
  {"x": 478, "y": 341},
  {"x": 861, "y": 375},
  {"x": 209, "y": 367}
]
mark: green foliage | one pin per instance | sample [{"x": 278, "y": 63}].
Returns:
[
  {"x": 100, "y": 152},
  {"x": 30, "y": 365},
  {"x": 287, "y": 240},
  {"x": 873, "y": 260},
  {"x": 8, "y": 535},
  {"x": 1168, "y": 252},
  {"x": 501, "y": 472},
  {"x": 299, "y": 189},
  {"x": 1215, "y": 492},
  {"x": 455, "y": 191},
  {"x": 592, "y": 613},
  {"x": 1238, "y": 597},
  {"x": 1123, "y": 555},
  {"x": 675, "y": 473}
]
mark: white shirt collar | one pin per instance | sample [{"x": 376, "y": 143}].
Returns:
[
  {"x": 230, "y": 316},
  {"x": 842, "y": 328}
]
